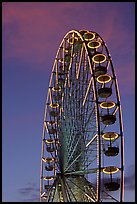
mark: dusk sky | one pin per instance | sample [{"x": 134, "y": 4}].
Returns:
[{"x": 31, "y": 34}]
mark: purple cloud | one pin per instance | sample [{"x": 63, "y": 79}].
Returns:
[
  {"x": 30, "y": 192},
  {"x": 32, "y": 32}
]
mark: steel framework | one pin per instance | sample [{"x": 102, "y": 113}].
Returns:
[{"x": 82, "y": 143}]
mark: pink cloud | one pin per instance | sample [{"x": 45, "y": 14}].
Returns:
[
  {"x": 32, "y": 38},
  {"x": 30, "y": 31},
  {"x": 39, "y": 25},
  {"x": 33, "y": 31}
]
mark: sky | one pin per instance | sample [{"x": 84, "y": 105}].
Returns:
[{"x": 31, "y": 34}]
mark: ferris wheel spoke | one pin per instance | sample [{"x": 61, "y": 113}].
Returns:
[
  {"x": 51, "y": 192},
  {"x": 51, "y": 195},
  {"x": 110, "y": 196},
  {"x": 85, "y": 193},
  {"x": 80, "y": 60},
  {"x": 90, "y": 161},
  {"x": 92, "y": 140},
  {"x": 78, "y": 132},
  {"x": 70, "y": 190},
  {"x": 87, "y": 91},
  {"x": 73, "y": 161},
  {"x": 74, "y": 148},
  {"x": 78, "y": 156},
  {"x": 81, "y": 172},
  {"x": 92, "y": 112}
]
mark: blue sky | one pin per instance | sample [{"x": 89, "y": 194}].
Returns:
[{"x": 31, "y": 34}]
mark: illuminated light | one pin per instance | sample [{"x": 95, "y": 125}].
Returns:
[
  {"x": 42, "y": 194},
  {"x": 110, "y": 169},
  {"x": 72, "y": 40},
  {"x": 83, "y": 31},
  {"x": 107, "y": 104},
  {"x": 45, "y": 126},
  {"x": 52, "y": 122},
  {"x": 56, "y": 88},
  {"x": 91, "y": 140},
  {"x": 78, "y": 66},
  {"x": 99, "y": 58},
  {"x": 49, "y": 159},
  {"x": 45, "y": 197},
  {"x": 89, "y": 197},
  {"x": 50, "y": 141},
  {"x": 61, "y": 60},
  {"x": 66, "y": 50},
  {"x": 87, "y": 91},
  {"x": 62, "y": 110},
  {"x": 54, "y": 105},
  {"x": 67, "y": 57},
  {"x": 110, "y": 135},
  {"x": 88, "y": 36},
  {"x": 94, "y": 44},
  {"x": 48, "y": 178},
  {"x": 104, "y": 78},
  {"x": 43, "y": 159}
]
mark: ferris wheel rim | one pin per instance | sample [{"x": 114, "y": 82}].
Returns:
[{"x": 91, "y": 70}]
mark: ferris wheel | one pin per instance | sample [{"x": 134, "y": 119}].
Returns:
[{"x": 82, "y": 143}]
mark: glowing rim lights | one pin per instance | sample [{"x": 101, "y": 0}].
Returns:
[
  {"x": 83, "y": 61},
  {"x": 87, "y": 35},
  {"x": 50, "y": 141},
  {"x": 94, "y": 47},
  {"x": 83, "y": 31},
  {"x": 110, "y": 169},
  {"x": 54, "y": 105},
  {"x": 43, "y": 194},
  {"x": 52, "y": 122},
  {"x": 45, "y": 197},
  {"x": 48, "y": 178},
  {"x": 49, "y": 159},
  {"x": 110, "y": 135},
  {"x": 66, "y": 50},
  {"x": 72, "y": 40},
  {"x": 61, "y": 60},
  {"x": 99, "y": 61},
  {"x": 101, "y": 79},
  {"x": 107, "y": 104},
  {"x": 56, "y": 88}
]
